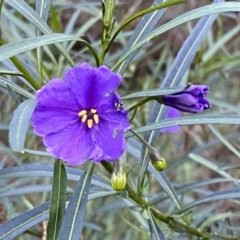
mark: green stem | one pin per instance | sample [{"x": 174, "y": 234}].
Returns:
[
  {"x": 23, "y": 70},
  {"x": 94, "y": 53},
  {"x": 140, "y": 103},
  {"x": 170, "y": 221},
  {"x": 1, "y": 5},
  {"x": 140, "y": 14},
  {"x": 141, "y": 139},
  {"x": 39, "y": 65},
  {"x": 108, "y": 23}
]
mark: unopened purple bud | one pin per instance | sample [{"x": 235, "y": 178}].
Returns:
[{"x": 191, "y": 100}]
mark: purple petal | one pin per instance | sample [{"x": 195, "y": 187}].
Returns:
[
  {"x": 205, "y": 103},
  {"x": 55, "y": 104},
  {"x": 171, "y": 114},
  {"x": 90, "y": 85},
  {"x": 56, "y": 95},
  {"x": 73, "y": 144},
  {"x": 197, "y": 90},
  {"x": 190, "y": 109},
  {"x": 46, "y": 121},
  {"x": 114, "y": 120},
  {"x": 112, "y": 145},
  {"x": 180, "y": 99}
]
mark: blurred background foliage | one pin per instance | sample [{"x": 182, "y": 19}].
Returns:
[{"x": 202, "y": 159}]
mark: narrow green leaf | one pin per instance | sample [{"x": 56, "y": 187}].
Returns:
[
  {"x": 224, "y": 140},
  {"x": 211, "y": 165},
  {"x": 155, "y": 230},
  {"x": 196, "y": 13},
  {"x": 163, "y": 180},
  {"x": 12, "y": 49},
  {"x": 153, "y": 92},
  {"x": 225, "y": 194},
  {"x": 17, "y": 225},
  {"x": 153, "y": 8},
  {"x": 14, "y": 95},
  {"x": 58, "y": 200},
  {"x": 14, "y": 227},
  {"x": 73, "y": 221},
  {"x": 30, "y": 188},
  {"x": 212, "y": 219},
  {"x": 46, "y": 170},
  {"x": 220, "y": 43},
  {"x": 172, "y": 79},
  {"x": 189, "y": 120},
  {"x": 42, "y": 8},
  {"x": 19, "y": 124},
  {"x": 34, "y": 18},
  {"x": 144, "y": 27}
]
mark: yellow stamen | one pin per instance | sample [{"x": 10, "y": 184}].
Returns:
[
  {"x": 90, "y": 123},
  {"x": 81, "y": 113},
  {"x": 93, "y": 110},
  {"x": 96, "y": 118},
  {"x": 84, "y": 118}
]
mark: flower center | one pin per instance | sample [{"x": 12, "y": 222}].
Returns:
[{"x": 90, "y": 117}]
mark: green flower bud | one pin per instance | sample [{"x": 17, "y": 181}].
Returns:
[
  {"x": 157, "y": 160},
  {"x": 160, "y": 165},
  {"x": 118, "y": 180}
]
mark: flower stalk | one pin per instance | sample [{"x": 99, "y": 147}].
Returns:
[
  {"x": 157, "y": 160},
  {"x": 108, "y": 7},
  {"x": 166, "y": 218}
]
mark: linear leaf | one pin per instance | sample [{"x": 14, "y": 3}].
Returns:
[
  {"x": 19, "y": 124},
  {"x": 224, "y": 140},
  {"x": 12, "y": 49},
  {"x": 215, "y": 218},
  {"x": 17, "y": 225},
  {"x": 163, "y": 180},
  {"x": 42, "y": 8},
  {"x": 26, "y": 220},
  {"x": 219, "y": 43},
  {"x": 153, "y": 92},
  {"x": 145, "y": 26},
  {"x": 73, "y": 221},
  {"x": 20, "y": 190},
  {"x": 14, "y": 95},
  {"x": 210, "y": 165},
  {"x": 46, "y": 170},
  {"x": 221, "y": 195},
  {"x": 8, "y": 64},
  {"x": 190, "y": 120},
  {"x": 199, "y": 184},
  {"x": 35, "y": 19},
  {"x": 155, "y": 230},
  {"x": 173, "y": 77},
  {"x": 58, "y": 200},
  {"x": 191, "y": 15},
  {"x": 14, "y": 227}
]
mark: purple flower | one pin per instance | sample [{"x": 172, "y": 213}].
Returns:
[
  {"x": 81, "y": 117},
  {"x": 172, "y": 113},
  {"x": 190, "y": 100}
]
